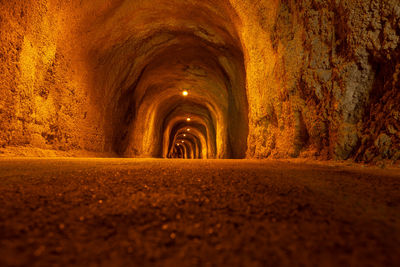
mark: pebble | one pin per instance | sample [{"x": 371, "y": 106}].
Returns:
[{"x": 39, "y": 251}]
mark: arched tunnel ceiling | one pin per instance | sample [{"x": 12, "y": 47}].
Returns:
[
  {"x": 198, "y": 115},
  {"x": 194, "y": 132},
  {"x": 198, "y": 152},
  {"x": 191, "y": 145},
  {"x": 147, "y": 54}
]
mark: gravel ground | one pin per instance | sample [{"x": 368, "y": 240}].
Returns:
[{"x": 123, "y": 212}]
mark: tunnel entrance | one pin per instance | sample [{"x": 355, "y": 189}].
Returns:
[{"x": 176, "y": 85}]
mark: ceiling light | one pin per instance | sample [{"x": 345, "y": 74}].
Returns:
[
  {"x": 188, "y": 129},
  {"x": 188, "y": 119},
  {"x": 185, "y": 93}
]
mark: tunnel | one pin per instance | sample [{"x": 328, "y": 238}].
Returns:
[
  {"x": 199, "y": 132},
  {"x": 175, "y": 66},
  {"x": 119, "y": 78}
]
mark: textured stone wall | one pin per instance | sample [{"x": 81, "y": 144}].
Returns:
[
  {"x": 322, "y": 77},
  {"x": 44, "y": 95}
]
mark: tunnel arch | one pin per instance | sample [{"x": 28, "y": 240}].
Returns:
[
  {"x": 190, "y": 146},
  {"x": 207, "y": 141},
  {"x": 193, "y": 142},
  {"x": 198, "y": 114},
  {"x": 180, "y": 130},
  {"x": 144, "y": 66},
  {"x": 194, "y": 139}
]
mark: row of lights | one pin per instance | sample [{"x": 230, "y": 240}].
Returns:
[
  {"x": 180, "y": 144},
  {"x": 188, "y": 119},
  {"x": 185, "y": 93},
  {"x": 184, "y": 135}
]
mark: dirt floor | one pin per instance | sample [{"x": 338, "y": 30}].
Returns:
[{"x": 113, "y": 212}]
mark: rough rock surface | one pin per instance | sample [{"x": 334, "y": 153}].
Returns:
[
  {"x": 307, "y": 78},
  {"x": 332, "y": 86},
  {"x": 44, "y": 101}
]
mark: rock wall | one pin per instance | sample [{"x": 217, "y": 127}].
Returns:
[
  {"x": 322, "y": 77},
  {"x": 45, "y": 98},
  {"x": 325, "y": 82}
]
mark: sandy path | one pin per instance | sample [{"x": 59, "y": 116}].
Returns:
[{"x": 110, "y": 212}]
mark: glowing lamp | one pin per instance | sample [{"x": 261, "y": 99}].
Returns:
[
  {"x": 185, "y": 93},
  {"x": 188, "y": 129},
  {"x": 184, "y": 135},
  {"x": 188, "y": 119}
]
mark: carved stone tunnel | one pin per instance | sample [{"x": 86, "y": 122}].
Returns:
[
  {"x": 199, "y": 132},
  {"x": 211, "y": 74},
  {"x": 277, "y": 79}
]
